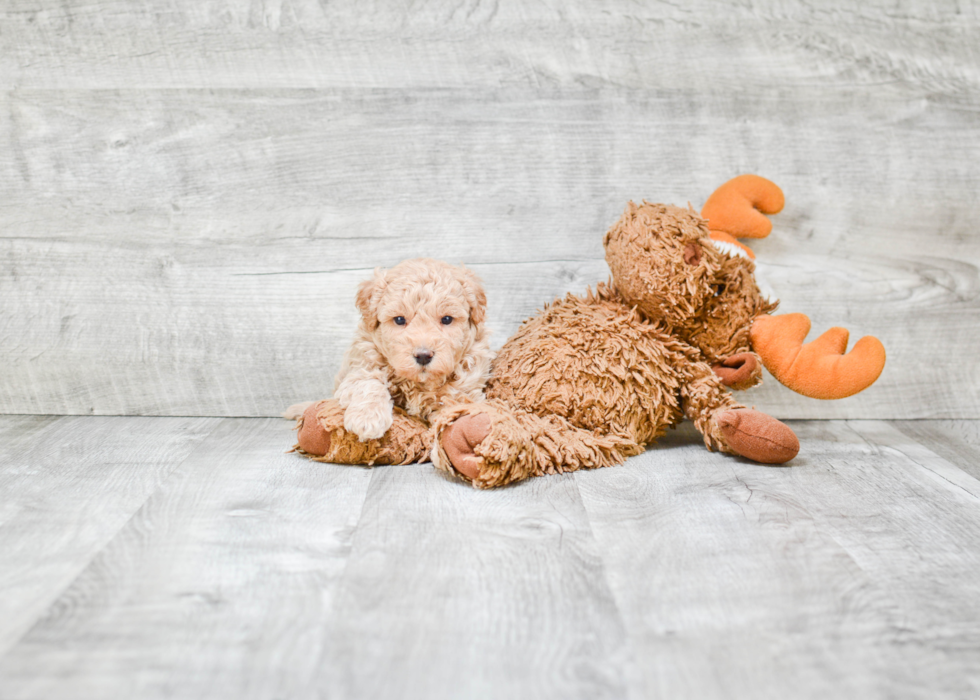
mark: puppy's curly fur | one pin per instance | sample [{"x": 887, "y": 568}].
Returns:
[{"x": 421, "y": 345}]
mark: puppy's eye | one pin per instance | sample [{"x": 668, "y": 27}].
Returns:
[
  {"x": 446, "y": 320},
  {"x": 719, "y": 289},
  {"x": 399, "y": 320}
]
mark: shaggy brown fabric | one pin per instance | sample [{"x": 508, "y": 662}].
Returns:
[
  {"x": 709, "y": 305},
  {"x": 520, "y": 444},
  {"x": 592, "y": 379},
  {"x": 322, "y": 437}
]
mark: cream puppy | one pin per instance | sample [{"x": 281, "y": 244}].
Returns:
[{"x": 421, "y": 344}]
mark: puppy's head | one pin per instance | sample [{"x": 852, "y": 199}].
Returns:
[{"x": 425, "y": 316}]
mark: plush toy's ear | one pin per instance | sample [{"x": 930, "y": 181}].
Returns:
[
  {"x": 369, "y": 293},
  {"x": 475, "y": 296}
]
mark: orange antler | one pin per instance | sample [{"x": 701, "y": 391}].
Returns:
[
  {"x": 738, "y": 208},
  {"x": 819, "y": 369}
]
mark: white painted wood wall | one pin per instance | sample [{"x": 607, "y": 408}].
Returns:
[{"x": 190, "y": 190}]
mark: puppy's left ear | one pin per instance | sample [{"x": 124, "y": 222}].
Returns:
[{"x": 475, "y": 296}]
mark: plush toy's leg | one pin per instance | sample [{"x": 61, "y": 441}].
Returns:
[
  {"x": 322, "y": 437},
  {"x": 728, "y": 425},
  {"x": 491, "y": 444}
]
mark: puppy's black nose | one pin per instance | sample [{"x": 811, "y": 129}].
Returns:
[{"x": 423, "y": 357}]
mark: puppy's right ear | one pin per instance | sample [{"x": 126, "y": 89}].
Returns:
[{"x": 369, "y": 293}]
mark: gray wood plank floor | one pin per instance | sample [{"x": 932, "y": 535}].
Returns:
[{"x": 193, "y": 558}]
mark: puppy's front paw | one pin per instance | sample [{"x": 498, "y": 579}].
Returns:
[{"x": 367, "y": 421}]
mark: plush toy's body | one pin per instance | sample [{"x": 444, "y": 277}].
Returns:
[{"x": 593, "y": 379}]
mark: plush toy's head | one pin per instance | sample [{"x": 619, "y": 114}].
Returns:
[
  {"x": 692, "y": 275},
  {"x": 664, "y": 262}
]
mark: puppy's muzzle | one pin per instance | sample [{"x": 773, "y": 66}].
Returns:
[{"x": 423, "y": 357}]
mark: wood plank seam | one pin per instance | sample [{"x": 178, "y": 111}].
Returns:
[
  {"x": 944, "y": 472},
  {"x": 630, "y": 662},
  {"x": 55, "y": 597}
]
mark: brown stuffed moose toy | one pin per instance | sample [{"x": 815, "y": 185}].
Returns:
[{"x": 592, "y": 379}]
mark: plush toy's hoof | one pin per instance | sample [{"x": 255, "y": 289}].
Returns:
[
  {"x": 460, "y": 439},
  {"x": 313, "y": 439},
  {"x": 738, "y": 371},
  {"x": 758, "y": 437}
]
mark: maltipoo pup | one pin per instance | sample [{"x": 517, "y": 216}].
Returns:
[{"x": 421, "y": 346}]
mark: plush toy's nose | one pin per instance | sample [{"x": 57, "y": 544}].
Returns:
[{"x": 423, "y": 356}]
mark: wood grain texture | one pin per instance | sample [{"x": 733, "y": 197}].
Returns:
[
  {"x": 68, "y": 486},
  {"x": 216, "y": 587},
  {"x": 850, "y": 574},
  {"x": 682, "y": 573},
  {"x": 956, "y": 441},
  {"x": 257, "y": 574},
  {"x": 193, "y": 190},
  {"x": 455, "y": 593},
  {"x": 705, "y": 45}
]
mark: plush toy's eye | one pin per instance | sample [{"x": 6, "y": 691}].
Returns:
[
  {"x": 446, "y": 320},
  {"x": 399, "y": 320}
]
